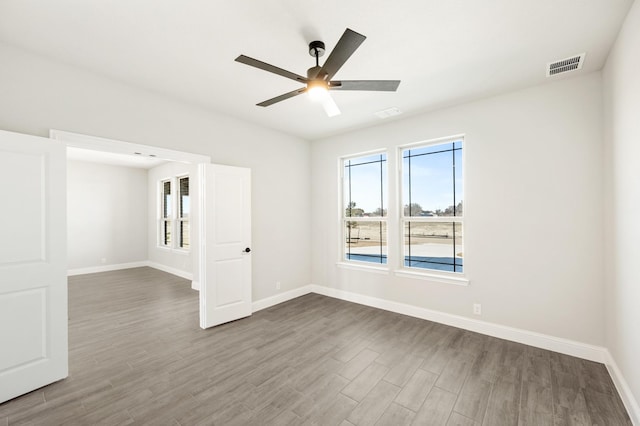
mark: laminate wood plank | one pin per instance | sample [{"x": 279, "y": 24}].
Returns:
[
  {"x": 415, "y": 391},
  {"x": 605, "y": 409},
  {"x": 455, "y": 373},
  {"x": 503, "y": 404},
  {"x": 474, "y": 397},
  {"x": 22, "y": 403},
  {"x": 595, "y": 376},
  {"x": 569, "y": 404},
  {"x": 457, "y": 419},
  {"x": 536, "y": 405},
  {"x": 403, "y": 369},
  {"x": 322, "y": 395},
  {"x": 306, "y": 377},
  {"x": 358, "y": 363},
  {"x": 283, "y": 401},
  {"x": 396, "y": 415},
  {"x": 394, "y": 354},
  {"x": 537, "y": 367},
  {"x": 286, "y": 418},
  {"x": 362, "y": 385},
  {"x": 351, "y": 349},
  {"x": 436, "y": 408},
  {"x": 369, "y": 410},
  {"x": 437, "y": 359},
  {"x": 235, "y": 414},
  {"x": 332, "y": 414},
  {"x": 58, "y": 412}
]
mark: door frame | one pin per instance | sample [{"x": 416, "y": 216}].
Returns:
[{"x": 95, "y": 143}]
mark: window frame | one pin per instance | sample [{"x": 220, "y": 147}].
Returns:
[
  {"x": 180, "y": 219},
  {"x": 162, "y": 218},
  {"x": 459, "y": 278},
  {"x": 174, "y": 217},
  {"x": 343, "y": 218}
]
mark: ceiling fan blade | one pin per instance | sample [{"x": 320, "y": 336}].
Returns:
[
  {"x": 330, "y": 106},
  {"x": 270, "y": 68},
  {"x": 345, "y": 47},
  {"x": 374, "y": 85},
  {"x": 282, "y": 97}
]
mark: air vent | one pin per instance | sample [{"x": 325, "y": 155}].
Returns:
[
  {"x": 565, "y": 65},
  {"x": 389, "y": 112}
]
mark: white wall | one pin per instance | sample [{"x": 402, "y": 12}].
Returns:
[
  {"x": 179, "y": 260},
  {"x": 106, "y": 215},
  {"x": 621, "y": 78},
  {"x": 37, "y": 94},
  {"x": 533, "y": 206}
]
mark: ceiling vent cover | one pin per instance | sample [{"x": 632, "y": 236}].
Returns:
[{"x": 565, "y": 65}]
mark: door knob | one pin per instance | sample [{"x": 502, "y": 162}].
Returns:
[{"x": 247, "y": 250}]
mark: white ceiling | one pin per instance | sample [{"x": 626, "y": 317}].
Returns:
[{"x": 445, "y": 52}]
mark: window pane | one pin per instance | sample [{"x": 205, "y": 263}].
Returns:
[
  {"x": 166, "y": 232},
  {"x": 365, "y": 186},
  {"x": 432, "y": 180},
  {"x": 166, "y": 199},
  {"x": 366, "y": 241},
  {"x": 184, "y": 198},
  {"x": 184, "y": 234},
  {"x": 433, "y": 245}
]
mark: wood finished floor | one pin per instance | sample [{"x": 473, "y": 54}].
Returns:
[{"x": 137, "y": 356}]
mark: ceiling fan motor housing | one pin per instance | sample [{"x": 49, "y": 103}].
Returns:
[{"x": 316, "y": 49}]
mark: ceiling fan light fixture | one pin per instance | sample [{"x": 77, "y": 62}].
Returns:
[{"x": 317, "y": 90}]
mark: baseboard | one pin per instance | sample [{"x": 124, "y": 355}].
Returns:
[
  {"x": 195, "y": 285},
  {"x": 556, "y": 344},
  {"x": 106, "y": 268},
  {"x": 630, "y": 403},
  {"x": 174, "y": 271},
  {"x": 267, "y": 302}
]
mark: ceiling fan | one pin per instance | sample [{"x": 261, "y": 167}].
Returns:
[{"x": 318, "y": 80}]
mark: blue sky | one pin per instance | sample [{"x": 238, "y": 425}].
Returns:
[{"x": 431, "y": 179}]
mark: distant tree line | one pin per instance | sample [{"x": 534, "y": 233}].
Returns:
[{"x": 413, "y": 209}]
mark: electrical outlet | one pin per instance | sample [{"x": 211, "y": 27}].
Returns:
[
  {"x": 278, "y": 285},
  {"x": 477, "y": 309}
]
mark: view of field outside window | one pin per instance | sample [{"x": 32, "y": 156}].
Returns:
[
  {"x": 165, "y": 220},
  {"x": 365, "y": 208},
  {"x": 183, "y": 214},
  {"x": 432, "y": 193}
]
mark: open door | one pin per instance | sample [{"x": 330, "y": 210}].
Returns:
[
  {"x": 225, "y": 255},
  {"x": 33, "y": 263}
]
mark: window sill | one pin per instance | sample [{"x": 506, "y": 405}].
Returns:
[
  {"x": 174, "y": 250},
  {"x": 445, "y": 279},
  {"x": 363, "y": 267}
]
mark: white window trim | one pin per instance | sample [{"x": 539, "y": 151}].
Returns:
[
  {"x": 456, "y": 278},
  {"x": 355, "y": 264},
  {"x": 161, "y": 219}
]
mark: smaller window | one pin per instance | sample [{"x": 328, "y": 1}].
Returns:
[
  {"x": 184, "y": 208},
  {"x": 165, "y": 213}
]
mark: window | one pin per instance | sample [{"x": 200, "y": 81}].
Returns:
[
  {"x": 432, "y": 212},
  {"x": 165, "y": 213},
  {"x": 364, "y": 209},
  {"x": 183, "y": 211},
  {"x": 174, "y": 221}
]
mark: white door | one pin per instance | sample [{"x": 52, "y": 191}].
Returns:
[
  {"x": 225, "y": 266},
  {"x": 33, "y": 263}
]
